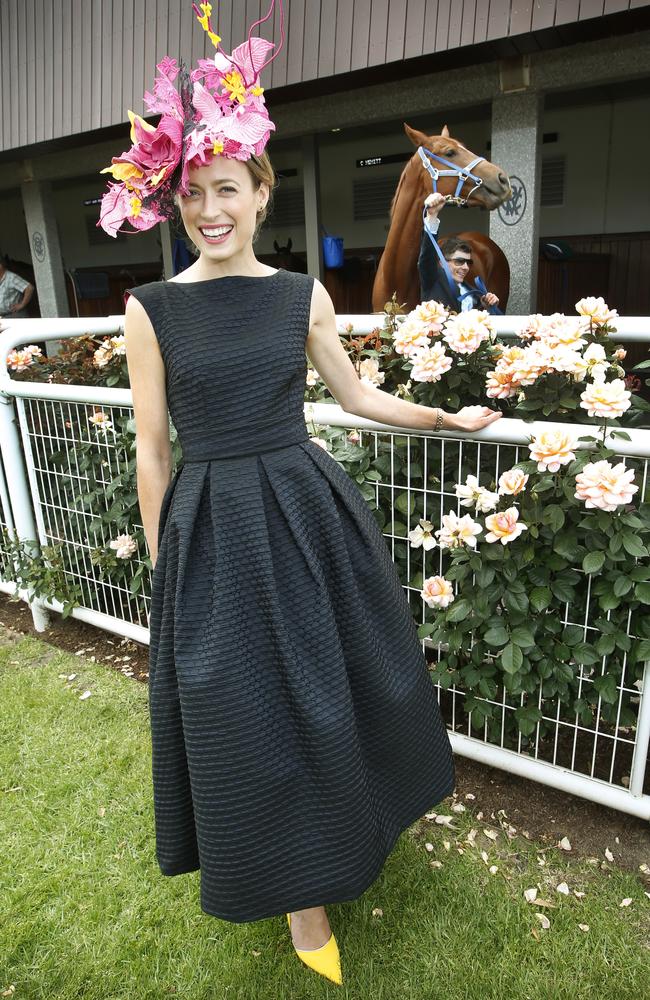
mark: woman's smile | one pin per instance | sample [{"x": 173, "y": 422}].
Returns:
[{"x": 216, "y": 235}]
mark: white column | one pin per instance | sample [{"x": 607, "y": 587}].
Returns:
[
  {"x": 516, "y": 142},
  {"x": 311, "y": 189},
  {"x": 45, "y": 248}
]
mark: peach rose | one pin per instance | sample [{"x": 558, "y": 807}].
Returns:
[
  {"x": 431, "y": 315},
  {"x": 369, "y": 372},
  {"x": 605, "y": 486},
  {"x": 312, "y": 377},
  {"x": 504, "y": 527},
  {"x": 500, "y": 384},
  {"x": 437, "y": 592},
  {"x": 596, "y": 310},
  {"x": 101, "y": 421},
  {"x": 512, "y": 482},
  {"x": 409, "y": 336},
  {"x": 606, "y": 399},
  {"x": 551, "y": 449},
  {"x": 466, "y": 332},
  {"x": 430, "y": 363},
  {"x": 18, "y": 361}
]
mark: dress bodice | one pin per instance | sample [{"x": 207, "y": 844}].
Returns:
[{"x": 234, "y": 356}]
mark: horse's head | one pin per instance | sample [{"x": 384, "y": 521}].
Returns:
[{"x": 495, "y": 188}]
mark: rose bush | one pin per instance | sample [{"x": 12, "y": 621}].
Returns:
[{"x": 530, "y": 583}]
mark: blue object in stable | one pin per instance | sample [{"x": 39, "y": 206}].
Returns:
[{"x": 333, "y": 251}]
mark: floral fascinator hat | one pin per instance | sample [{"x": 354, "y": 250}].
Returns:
[{"x": 217, "y": 109}]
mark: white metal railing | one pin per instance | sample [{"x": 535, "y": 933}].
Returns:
[{"x": 38, "y": 500}]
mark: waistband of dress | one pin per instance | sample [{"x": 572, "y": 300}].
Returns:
[{"x": 241, "y": 444}]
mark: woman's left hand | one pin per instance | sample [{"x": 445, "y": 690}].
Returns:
[
  {"x": 489, "y": 299},
  {"x": 471, "y": 418}
]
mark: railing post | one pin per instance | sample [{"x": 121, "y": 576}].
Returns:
[
  {"x": 642, "y": 744},
  {"x": 21, "y": 504}
]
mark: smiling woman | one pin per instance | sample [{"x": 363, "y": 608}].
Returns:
[
  {"x": 286, "y": 675},
  {"x": 221, "y": 201}
]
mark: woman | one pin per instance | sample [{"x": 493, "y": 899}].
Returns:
[{"x": 295, "y": 731}]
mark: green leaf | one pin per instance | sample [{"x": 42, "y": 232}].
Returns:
[
  {"x": 522, "y": 636},
  {"x": 459, "y": 610},
  {"x": 622, "y": 585},
  {"x": 606, "y": 645},
  {"x": 642, "y": 592},
  {"x": 405, "y": 503},
  {"x": 540, "y": 598},
  {"x": 515, "y": 602},
  {"x": 512, "y": 658},
  {"x": 496, "y": 636},
  {"x": 485, "y": 576},
  {"x": 633, "y": 546},
  {"x": 593, "y": 562},
  {"x": 573, "y": 634},
  {"x": 425, "y": 630},
  {"x": 585, "y": 654},
  {"x": 643, "y": 650},
  {"x": 606, "y": 688},
  {"x": 527, "y": 718},
  {"x": 554, "y": 517},
  {"x": 563, "y": 591}
]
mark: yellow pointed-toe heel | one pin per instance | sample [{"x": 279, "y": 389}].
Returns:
[{"x": 326, "y": 960}]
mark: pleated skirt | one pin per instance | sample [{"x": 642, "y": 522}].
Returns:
[{"x": 295, "y": 730}]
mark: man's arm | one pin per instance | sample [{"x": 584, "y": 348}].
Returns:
[{"x": 26, "y": 299}]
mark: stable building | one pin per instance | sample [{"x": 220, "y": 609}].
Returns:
[{"x": 557, "y": 92}]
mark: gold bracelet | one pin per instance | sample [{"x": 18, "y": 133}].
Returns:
[{"x": 439, "y": 419}]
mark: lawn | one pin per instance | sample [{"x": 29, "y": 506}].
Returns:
[{"x": 85, "y": 912}]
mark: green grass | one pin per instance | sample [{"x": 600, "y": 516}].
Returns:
[{"x": 85, "y": 912}]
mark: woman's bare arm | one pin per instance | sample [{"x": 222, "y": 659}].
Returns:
[
  {"x": 328, "y": 357},
  {"x": 153, "y": 449}
]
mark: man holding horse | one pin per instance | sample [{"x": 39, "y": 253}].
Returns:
[{"x": 447, "y": 285}]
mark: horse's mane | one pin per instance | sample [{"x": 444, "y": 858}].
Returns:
[{"x": 399, "y": 187}]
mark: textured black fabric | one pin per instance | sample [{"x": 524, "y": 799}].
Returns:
[{"x": 295, "y": 731}]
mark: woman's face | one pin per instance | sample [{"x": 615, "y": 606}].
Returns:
[{"x": 219, "y": 211}]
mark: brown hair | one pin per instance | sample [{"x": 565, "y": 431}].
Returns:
[
  {"x": 453, "y": 244},
  {"x": 262, "y": 172}
]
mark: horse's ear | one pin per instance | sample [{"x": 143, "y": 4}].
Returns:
[
  {"x": 444, "y": 132},
  {"x": 275, "y": 246},
  {"x": 417, "y": 138},
  {"x": 289, "y": 245}
]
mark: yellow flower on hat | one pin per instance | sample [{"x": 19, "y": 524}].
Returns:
[
  {"x": 235, "y": 86},
  {"x": 136, "y": 205},
  {"x": 257, "y": 91},
  {"x": 217, "y": 147},
  {"x": 133, "y": 118},
  {"x": 122, "y": 171}
]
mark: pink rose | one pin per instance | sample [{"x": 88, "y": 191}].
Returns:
[
  {"x": 504, "y": 527},
  {"x": 512, "y": 482},
  {"x": 551, "y": 449},
  {"x": 437, "y": 592}
]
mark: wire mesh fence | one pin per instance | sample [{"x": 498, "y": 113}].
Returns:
[{"x": 78, "y": 458}]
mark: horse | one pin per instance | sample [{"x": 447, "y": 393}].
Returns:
[
  {"x": 287, "y": 260},
  {"x": 398, "y": 270}
]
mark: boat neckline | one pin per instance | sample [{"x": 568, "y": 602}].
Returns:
[{"x": 224, "y": 277}]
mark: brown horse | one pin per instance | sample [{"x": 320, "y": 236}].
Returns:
[{"x": 398, "y": 270}]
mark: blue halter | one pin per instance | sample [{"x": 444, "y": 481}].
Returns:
[{"x": 463, "y": 174}]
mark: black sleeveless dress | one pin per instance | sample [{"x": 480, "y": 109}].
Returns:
[{"x": 295, "y": 731}]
